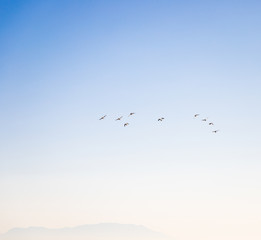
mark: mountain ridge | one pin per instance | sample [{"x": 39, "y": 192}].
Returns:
[{"x": 101, "y": 231}]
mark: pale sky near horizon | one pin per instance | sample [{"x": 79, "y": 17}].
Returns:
[{"x": 64, "y": 64}]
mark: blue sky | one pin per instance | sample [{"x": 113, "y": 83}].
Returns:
[{"x": 63, "y": 64}]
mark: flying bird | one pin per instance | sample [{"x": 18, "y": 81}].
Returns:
[
  {"x": 211, "y": 123},
  {"x": 161, "y": 119},
  {"x": 102, "y": 117},
  {"x": 196, "y": 115},
  {"x": 126, "y": 124},
  {"x": 204, "y": 119},
  {"x": 132, "y": 113},
  {"x": 215, "y": 131},
  {"x": 118, "y": 119}
]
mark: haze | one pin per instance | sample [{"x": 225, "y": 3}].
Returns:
[{"x": 65, "y": 64}]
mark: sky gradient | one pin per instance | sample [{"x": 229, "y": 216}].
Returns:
[{"x": 64, "y": 64}]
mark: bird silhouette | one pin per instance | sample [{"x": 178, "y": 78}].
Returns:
[
  {"x": 132, "y": 113},
  {"x": 215, "y": 131},
  {"x": 204, "y": 119},
  {"x": 102, "y": 117},
  {"x": 161, "y": 119},
  {"x": 118, "y": 119},
  {"x": 196, "y": 115},
  {"x": 126, "y": 124},
  {"x": 211, "y": 123}
]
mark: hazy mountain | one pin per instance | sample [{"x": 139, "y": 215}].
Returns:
[{"x": 103, "y": 231}]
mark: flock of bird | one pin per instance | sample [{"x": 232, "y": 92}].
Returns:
[
  {"x": 126, "y": 123},
  {"x": 161, "y": 119},
  {"x": 205, "y": 120}
]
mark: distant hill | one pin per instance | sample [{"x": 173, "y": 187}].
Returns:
[{"x": 103, "y": 231}]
